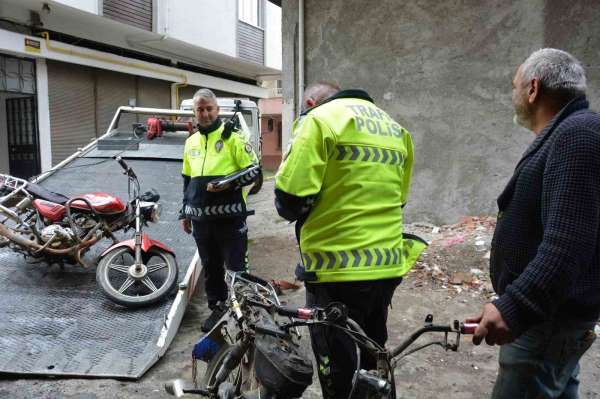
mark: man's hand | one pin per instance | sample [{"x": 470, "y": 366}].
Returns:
[
  {"x": 211, "y": 188},
  {"x": 492, "y": 327},
  {"x": 187, "y": 225}
]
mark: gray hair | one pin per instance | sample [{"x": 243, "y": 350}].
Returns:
[
  {"x": 204, "y": 94},
  {"x": 320, "y": 91},
  {"x": 556, "y": 70}
]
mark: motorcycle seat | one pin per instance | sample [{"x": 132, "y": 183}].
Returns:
[{"x": 43, "y": 193}]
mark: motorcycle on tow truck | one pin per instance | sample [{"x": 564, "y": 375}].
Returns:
[{"x": 53, "y": 228}]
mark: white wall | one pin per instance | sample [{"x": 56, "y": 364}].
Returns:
[
  {"x": 273, "y": 34},
  {"x": 84, "y": 5},
  {"x": 204, "y": 23},
  {"x": 3, "y": 136},
  {"x": 43, "y": 107}
]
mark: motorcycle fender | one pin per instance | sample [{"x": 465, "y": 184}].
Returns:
[
  {"x": 147, "y": 244},
  {"x": 208, "y": 345}
]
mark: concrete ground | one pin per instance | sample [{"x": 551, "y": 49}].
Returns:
[{"x": 450, "y": 282}]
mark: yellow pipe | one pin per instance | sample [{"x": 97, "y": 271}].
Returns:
[
  {"x": 109, "y": 60},
  {"x": 177, "y": 87}
]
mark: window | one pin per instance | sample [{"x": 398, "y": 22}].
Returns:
[
  {"x": 279, "y": 135},
  {"x": 249, "y": 11}
]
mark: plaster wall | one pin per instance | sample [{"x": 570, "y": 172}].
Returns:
[
  {"x": 205, "y": 23},
  {"x": 272, "y": 35},
  {"x": 84, "y": 5},
  {"x": 443, "y": 70}
]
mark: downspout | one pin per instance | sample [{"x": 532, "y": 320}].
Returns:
[{"x": 300, "y": 88}]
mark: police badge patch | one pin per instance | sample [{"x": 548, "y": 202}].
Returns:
[
  {"x": 248, "y": 148},
  {"x": 219, "y": 145}
]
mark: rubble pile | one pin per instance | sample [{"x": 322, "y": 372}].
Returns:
[{"x": 457, "y": 258}]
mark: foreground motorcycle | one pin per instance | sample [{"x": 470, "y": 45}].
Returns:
[
  {"x": 53, "y": 228},
  {"x": 253, "y": 352}
]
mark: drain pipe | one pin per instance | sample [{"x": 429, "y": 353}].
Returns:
[{"x": 300, "y": 88}]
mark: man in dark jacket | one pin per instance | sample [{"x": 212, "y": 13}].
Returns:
[
  {"x": 545, "y": 258},
  {"x": 216, "y": 215}
]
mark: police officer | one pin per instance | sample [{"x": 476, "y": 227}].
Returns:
[
  {"x": 216, "y": 215},
  {"x": 344, "y": 180}
]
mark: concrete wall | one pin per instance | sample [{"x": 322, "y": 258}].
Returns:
[
  {"x": 205, "y": 23},
  {"x": 443, "y": 70}
]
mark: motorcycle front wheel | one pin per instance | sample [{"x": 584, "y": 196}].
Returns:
[
  {"x": 120, "y": 282},
  {"x": 243, "y": 376}
]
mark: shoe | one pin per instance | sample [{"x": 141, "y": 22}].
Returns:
[{"x": 214, "y": 317}]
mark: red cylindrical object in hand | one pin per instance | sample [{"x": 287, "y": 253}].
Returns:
[{"x": 468, "y": 328}]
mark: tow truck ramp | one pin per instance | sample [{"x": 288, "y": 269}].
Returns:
[{"x": 55, "y": 321}]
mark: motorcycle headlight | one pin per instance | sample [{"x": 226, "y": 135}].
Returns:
[{"x": 155, "y": 213}]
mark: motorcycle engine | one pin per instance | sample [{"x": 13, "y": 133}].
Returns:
[{"x": 64, "y": 236}]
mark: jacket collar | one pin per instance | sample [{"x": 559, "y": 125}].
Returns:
[
  {"x": 577, "y": 104},
  {"x": 209, "y": 129},
  {"x": 350, "y": 93}
]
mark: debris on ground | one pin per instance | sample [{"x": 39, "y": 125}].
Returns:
[
  {"x": 457, "y": 258},
  {"x": 282, "y": 285}
]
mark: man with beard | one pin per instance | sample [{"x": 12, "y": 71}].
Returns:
[{"x": 545, "y": 257}]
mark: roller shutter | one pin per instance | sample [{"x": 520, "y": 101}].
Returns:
[
  {"x": 71, "y": 98},
  {"x": 153, "y": 93},
  {"x": 136, "y": 13},
  {"x": 113, "y": 90}
]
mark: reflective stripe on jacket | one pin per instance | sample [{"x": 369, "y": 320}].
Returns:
[{"x": 208, "y": 157}]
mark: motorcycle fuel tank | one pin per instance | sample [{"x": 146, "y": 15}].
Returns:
[
  {"x": 101, "y": 202},
  {"x": 52, "y": 211}
]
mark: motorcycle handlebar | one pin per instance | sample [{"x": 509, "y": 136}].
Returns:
[
  {"x": 298, "y": 313},
  {"x": 126, "y": 168}
]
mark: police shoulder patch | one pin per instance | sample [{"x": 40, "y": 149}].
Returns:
[{"x": 248, "y": 148}]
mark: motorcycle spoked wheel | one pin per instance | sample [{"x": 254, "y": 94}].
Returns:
[{"x": 114, "y": 278}]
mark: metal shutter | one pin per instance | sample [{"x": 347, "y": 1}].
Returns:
[
  {"x": 251, "y": 43},
  {"x": 137, "y": 13},
  {"x": 71, "y": 98},
  {"x": 113, "y": 90},
  {"x": 188, "y": 92},
  {"x": 153, "y": 93}
]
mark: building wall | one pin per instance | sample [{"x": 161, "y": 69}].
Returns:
[
  {"x": 273, "y": 36},
  {"x": 84, "y": 5},
  {"x": 443, "y": 70},
  {"x": 210, "y": 24},
  {"x": 271, "y": 139}
]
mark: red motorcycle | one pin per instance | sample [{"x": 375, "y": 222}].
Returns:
[{"x": 56, "y": 229}]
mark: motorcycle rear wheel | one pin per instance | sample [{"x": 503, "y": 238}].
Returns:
[{"x": 118, "y": 284}]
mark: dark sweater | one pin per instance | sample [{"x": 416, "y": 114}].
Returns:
[{"x": 545, "y": 258}]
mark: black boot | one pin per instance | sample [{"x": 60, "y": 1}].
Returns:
[{"x": 218, "y": 311}]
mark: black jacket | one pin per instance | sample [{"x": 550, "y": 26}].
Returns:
[{"x": 545, "y": 258}]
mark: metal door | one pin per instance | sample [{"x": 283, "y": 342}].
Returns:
[{"x": 23, "y": 145}]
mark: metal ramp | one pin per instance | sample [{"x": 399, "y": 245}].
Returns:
[{"x": 56, "y": 321}]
